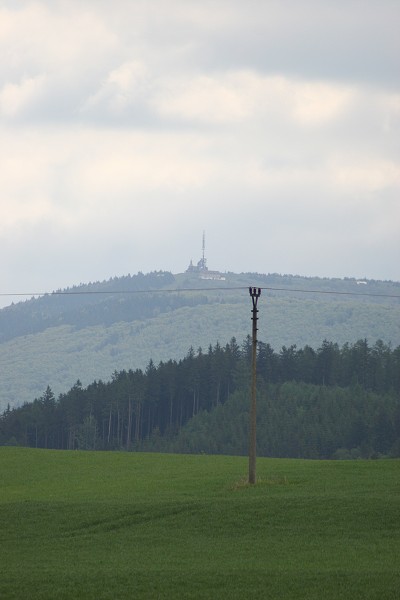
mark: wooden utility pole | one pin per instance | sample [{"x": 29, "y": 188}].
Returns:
[{"x": 255, "y": 293}]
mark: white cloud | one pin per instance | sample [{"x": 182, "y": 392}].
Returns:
[
  {"x": 123, "y": 87},
  {"x": 316, "y": 103},
  {"x": 369, "y": 175},
  {"x": 15, "y": 98},
  {"x": 244, "y": 95},
  {"x": 49, "y": 35},
  {"x": 204, "y": 99}
]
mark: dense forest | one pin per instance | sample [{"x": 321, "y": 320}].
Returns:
[{"x": 324, "y": 403}]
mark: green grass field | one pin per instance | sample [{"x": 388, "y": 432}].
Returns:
[{"x": 78, "y": 525}]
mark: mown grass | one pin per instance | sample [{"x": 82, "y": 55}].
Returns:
[{"x": 116, "y": 525}]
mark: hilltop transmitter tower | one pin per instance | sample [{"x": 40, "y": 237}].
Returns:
[{"x": 201, "y": 267}]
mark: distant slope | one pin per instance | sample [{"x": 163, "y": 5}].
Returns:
[
  {"x": 87, "y": 304},
  {"x": 122, "y": 323}
]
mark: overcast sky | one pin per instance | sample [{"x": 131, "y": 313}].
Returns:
[{"x": 129, "y": 127}]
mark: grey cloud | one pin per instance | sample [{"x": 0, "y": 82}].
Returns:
[
  {"x": 341, "y": 41},
  {"x": 309, "y": 40}
]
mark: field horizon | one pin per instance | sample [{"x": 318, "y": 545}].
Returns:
[{"x": 122, "y": 525}]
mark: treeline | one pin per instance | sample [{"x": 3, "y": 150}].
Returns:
[{"x": 150, "y": 408}]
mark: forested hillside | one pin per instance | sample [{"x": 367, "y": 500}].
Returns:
[
  {"x": 101, "y": 303},
  {"x": 89, "y": 331},
  {"x": 324, "y": 403}
]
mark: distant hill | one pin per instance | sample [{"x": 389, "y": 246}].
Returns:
[{"x": 89, "y": 331}]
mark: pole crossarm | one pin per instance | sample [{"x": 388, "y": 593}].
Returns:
[{"x": 255, "y": 293}]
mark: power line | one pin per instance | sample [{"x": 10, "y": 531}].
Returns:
[
  {"x": 191, "y": 290},
  {"x": 371, "y": 294}
]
